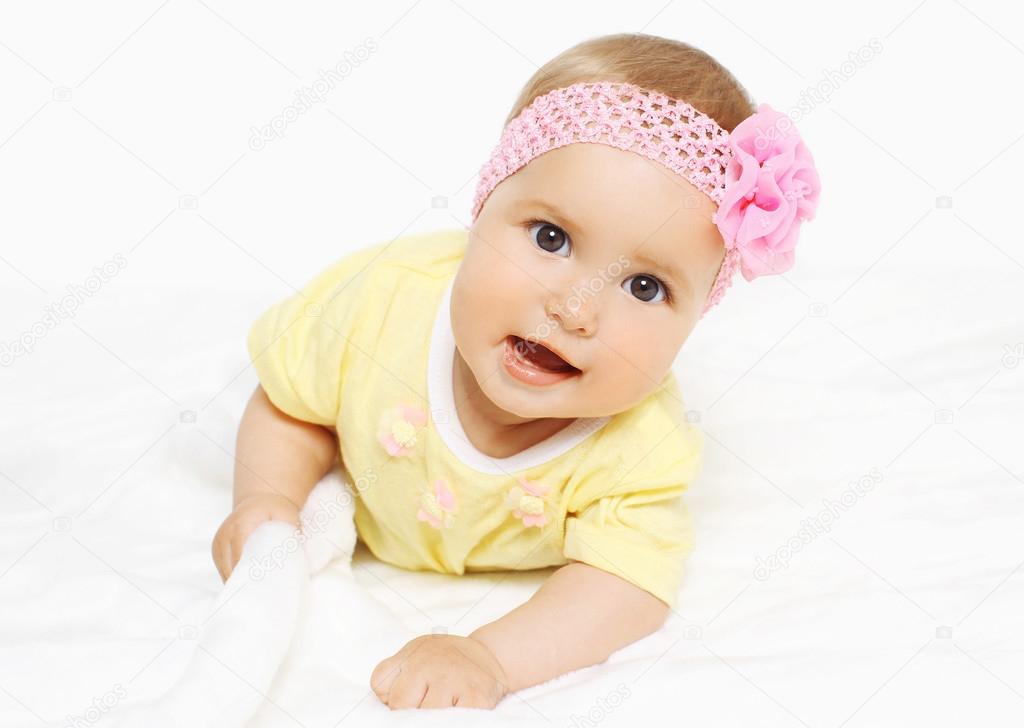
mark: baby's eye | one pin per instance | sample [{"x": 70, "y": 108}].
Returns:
[
  {"x": 550, "y": 238},
  {"x": 645, "y": 287}
]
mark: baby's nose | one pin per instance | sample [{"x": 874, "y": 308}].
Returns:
[{"x": 576, "y": 312}]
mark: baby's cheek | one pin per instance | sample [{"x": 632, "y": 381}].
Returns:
[
  {"x": 616, "y": 384},
  {"x": 502, "y": 255},
  {"x": 631, "y": 369},
  {"x": 487, "y": 278}
]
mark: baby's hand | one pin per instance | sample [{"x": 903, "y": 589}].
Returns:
[
  {"x": 248, "y": 514},
  {"x": 440, "y": 671}
]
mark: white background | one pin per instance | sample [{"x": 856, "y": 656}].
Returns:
[{"x": 895, "y": 346}]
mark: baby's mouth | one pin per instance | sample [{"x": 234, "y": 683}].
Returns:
[{"x": 540, "y": 356}]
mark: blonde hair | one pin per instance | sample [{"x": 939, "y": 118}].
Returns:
[{"x": 661, "y": 64}]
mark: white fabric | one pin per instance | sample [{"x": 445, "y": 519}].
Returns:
[
  {"x": 242, "y": 671},
  {"x": 107, "y": 605}
]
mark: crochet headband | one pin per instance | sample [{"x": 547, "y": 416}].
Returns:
[{"x": 761, "y": 177}]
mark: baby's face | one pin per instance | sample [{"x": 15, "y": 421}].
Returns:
[{"x": 596, "y": 253}]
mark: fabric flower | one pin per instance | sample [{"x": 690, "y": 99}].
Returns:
[
  {"x": 437, "y": 508},
  {"x": 527, "y": 502},
  {"x": 398, "y": 427},
  {"x": 771, "y": 186}
]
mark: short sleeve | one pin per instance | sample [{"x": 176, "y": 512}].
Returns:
[
  {"x": 299, "y": 345},
  {"x": 631, "y": 519}
]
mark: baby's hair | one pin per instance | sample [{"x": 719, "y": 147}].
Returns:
[{"x": 661, "y": 64}]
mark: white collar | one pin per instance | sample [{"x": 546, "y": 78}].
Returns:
[{"x": 441, "y": 399}]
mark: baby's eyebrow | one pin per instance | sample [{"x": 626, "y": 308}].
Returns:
[{"x": 557, "y": 215}]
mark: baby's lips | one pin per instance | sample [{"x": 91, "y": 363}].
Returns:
[{"x": 545, "y": 355}]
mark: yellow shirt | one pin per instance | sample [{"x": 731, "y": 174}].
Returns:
[{"x": 368, "y": 348}]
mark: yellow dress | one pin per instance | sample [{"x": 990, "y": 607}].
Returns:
[{"x": 368, "y": 348}]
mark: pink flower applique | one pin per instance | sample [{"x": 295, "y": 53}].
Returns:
[
  {"x": 398, "y": 428},
  {"x": 527, "y": 502},
  {"x": 438, "y": 508}
]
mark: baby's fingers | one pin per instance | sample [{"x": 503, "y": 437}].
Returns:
[
  {"x": 383, "y": 677},
  {"x": 222, "y": 555},
  {"x": 407, "y": 691},
  {"x": 474, "y": 697},
  {"x": 228, "y": 545},
  {"x": 230, "y": 559},
  {"x": 439, "y": 695}
]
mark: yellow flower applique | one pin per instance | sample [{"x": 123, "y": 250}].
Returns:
[
  {"x": 527, "y": 502},
  {"x": 398, "y": 428}
]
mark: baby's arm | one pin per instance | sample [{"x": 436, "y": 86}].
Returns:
[
  {"x": 278, "y": 460},
  {"x": 579, "y": 617}
]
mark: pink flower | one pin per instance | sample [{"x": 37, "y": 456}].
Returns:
[
  {"x": 771, "y": 186},
  {"x": 398, "y": 428},
  {"x": 527, "y": 502},
  {"x": 437, "y": 508}
]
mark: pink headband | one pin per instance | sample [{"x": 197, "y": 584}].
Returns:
[{"x": 761, "y": 177}]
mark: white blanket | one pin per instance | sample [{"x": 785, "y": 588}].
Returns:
[
  {"x": 891, "y": 357},
  {"x": 905, "y": 612},
  {"x": 281, "y": 629}
]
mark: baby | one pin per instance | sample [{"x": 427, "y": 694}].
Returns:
[{"x": 502, "y": 398}]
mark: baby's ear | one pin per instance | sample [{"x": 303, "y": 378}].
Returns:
[{"x": 328, "y": 522}]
